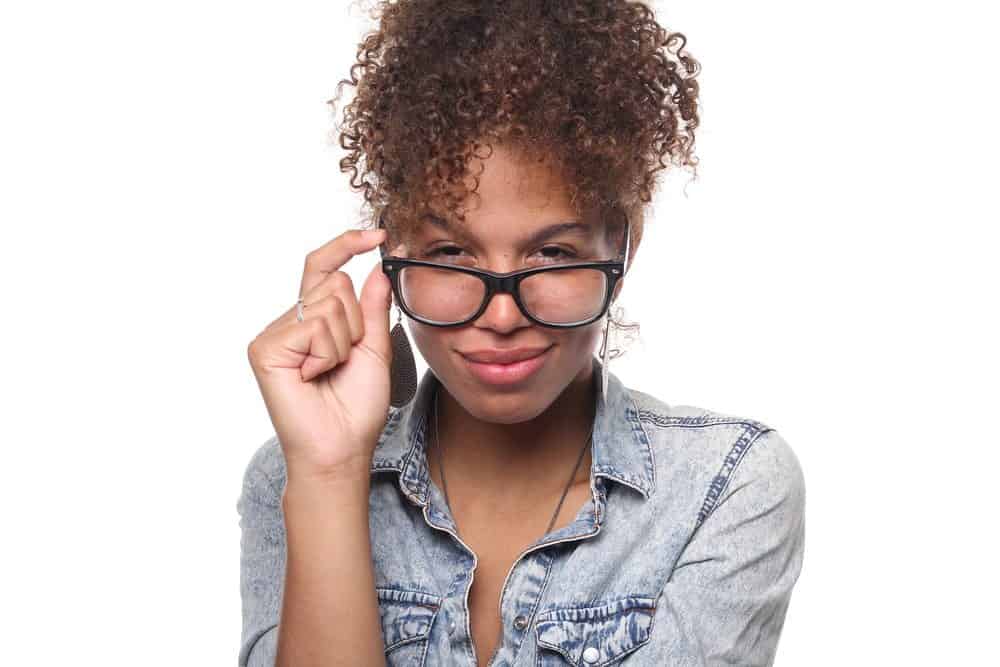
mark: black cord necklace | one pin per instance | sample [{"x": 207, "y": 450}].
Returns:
[{"x": 444, "y": 482}]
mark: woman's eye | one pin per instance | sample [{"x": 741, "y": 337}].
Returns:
[
  {"x": 444, "y": 250},
  {"x": 559, "y": 252},
  {"x": 547, "y": 252}
]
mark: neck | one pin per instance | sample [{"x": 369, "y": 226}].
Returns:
[{"x": 533, "y": 458}]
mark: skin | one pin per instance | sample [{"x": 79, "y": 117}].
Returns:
[
  {"x": 511, "y": 445},
  {"x": 508, "y": 451}
]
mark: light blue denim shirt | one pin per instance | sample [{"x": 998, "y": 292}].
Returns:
[{"x": 685, "y": 555}]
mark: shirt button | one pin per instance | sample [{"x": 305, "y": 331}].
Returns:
[
  {"x": 520, "y": 622},
  {"x": 591, "y": 655},
  {"x": 451, "y": 628}
]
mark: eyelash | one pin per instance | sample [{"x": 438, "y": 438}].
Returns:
[{"x": 438, "y": 251}]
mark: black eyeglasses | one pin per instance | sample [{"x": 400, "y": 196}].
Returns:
[{"x": 562, "y": 296}]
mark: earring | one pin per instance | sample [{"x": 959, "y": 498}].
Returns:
[
  {"x": 604, "y": 358},
  {"x": 403, "y": 370}
]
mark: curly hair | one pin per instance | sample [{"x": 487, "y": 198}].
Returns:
[{"x": 595, "y": 89}]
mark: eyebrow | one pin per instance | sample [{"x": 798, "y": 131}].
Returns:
[{"x": 543, "y": 234}]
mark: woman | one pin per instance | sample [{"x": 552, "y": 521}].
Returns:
[{"x": 522, "y": 507}]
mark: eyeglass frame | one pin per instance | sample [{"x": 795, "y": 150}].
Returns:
[{"x": 505, "y": 283}]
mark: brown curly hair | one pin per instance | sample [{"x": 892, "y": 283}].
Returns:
[{"x": 595, "y": 89}]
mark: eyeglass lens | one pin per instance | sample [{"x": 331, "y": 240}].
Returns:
[{"x": 564, "y": 296}]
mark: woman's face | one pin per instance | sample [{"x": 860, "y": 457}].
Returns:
[{"x": 516, "y": 200}]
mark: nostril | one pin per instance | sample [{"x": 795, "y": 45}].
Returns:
[{"x": 504, "y": 309}]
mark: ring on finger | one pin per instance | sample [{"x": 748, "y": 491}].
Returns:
[{"x": 299, "y": 306}]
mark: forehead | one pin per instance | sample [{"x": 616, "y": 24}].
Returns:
[
  {"x": 528, "y": 234},
  {"x": 507, "y": 178},
  {"x": 514, "y": 197}
]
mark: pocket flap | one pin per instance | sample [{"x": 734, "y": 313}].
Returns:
[
  {"x": 595, "y": 636},
  {"x": 406, "y": 616}
]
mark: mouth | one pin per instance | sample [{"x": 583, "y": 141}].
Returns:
[{"x": 488, "y": 368}]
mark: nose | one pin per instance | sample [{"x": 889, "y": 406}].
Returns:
[{"x": 502, "y": 315}]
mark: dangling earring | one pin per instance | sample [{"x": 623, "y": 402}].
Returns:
[
  {"x": 604, "y": 358},
  {"x": 403, "y": 371},
  {"x": 607, "y": 320}
]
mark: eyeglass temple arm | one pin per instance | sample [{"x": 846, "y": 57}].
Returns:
[
  {"x": 628, "y": 239},
  {"x": 383, "y": 246}
]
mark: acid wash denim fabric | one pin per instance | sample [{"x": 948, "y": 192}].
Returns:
[{"x": 685, "y": 555}]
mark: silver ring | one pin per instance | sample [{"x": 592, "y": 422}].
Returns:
[{"x": 298, "y": 309}]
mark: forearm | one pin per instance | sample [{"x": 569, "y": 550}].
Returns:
[{"x": 329, "y": 612}]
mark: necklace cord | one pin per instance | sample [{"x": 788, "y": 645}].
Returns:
[{"x": 444, "y": 482}]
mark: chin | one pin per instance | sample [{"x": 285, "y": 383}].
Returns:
[
  {"x": 506, "y": 405},
  {"x": 504, "y": 408},
  {"x": 498, "y": 404}
]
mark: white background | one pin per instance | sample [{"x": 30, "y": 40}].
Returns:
[{"x": 165, "y": 168}]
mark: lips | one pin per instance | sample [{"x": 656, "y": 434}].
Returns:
[
  {"x": 522, "y": 364},
  {"x": 501, "y": 356}
]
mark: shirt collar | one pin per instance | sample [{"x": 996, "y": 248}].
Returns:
[{"x": 620, "y": 449}]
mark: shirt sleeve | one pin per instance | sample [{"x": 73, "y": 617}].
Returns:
[
  {"x": 262, "y": 565},
  {"x": 726, "y": 599}
]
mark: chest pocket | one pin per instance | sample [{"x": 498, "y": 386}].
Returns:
[
  {"x": 594, "y": 636},
  {"x": 406, "y": 617}
]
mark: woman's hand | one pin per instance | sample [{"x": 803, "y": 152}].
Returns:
[{"x": 325, "y": 380}]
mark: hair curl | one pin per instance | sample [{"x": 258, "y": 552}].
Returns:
[{"x": 596, "y": 89}]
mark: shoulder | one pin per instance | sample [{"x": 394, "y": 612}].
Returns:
[
  {"x": 655, "y": 411},
  {"x": 718, "y": 452}
]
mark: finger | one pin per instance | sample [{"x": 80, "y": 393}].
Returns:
[
  {"x": 287, "y": 317},
  {"x": 339, "y": 284},
  {"x": 330, "y": 309},
  {"x": 335, "y": 314},
  {"x": 352, "y": 314},
  {"x": 335, "y": 336},
  {"x": 292, "y": 346},
  {"x": 335, "y": 253},
  {"x": 376, "y": 298},
  {"x": 323, "y": 352}
]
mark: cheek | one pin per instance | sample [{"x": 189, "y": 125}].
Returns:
[
  {"x": 434, "y": 343},
  {"x": 584, "y": 339},
  {"x": 573, "y": 347}
]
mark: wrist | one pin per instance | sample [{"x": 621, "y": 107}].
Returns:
[
  {"x": 347, "y": 472},
  {"x": 345, "y": 483}
]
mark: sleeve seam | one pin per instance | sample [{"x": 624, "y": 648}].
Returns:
[
  {"x": 254, "y": 644},
  {"x": 733, "y": 461}
]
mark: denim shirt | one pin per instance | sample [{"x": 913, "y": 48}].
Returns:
[{"x": 684, "y": 555}]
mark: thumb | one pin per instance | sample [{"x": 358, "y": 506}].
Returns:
[{"x": 375, "y": 300}]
